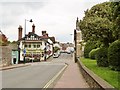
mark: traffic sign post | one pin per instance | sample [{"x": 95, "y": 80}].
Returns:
[{"x": 24, "y": 52}]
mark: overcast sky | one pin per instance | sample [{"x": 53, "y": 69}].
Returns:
[{"x": 57, "y": 17}]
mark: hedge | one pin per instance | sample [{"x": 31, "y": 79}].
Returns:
[
  {"x": 88, "y": 47},
  {"x": 114, "y": 55},
  {"x": 102, "y": 57},
  {"x": 93, "y": 53}
]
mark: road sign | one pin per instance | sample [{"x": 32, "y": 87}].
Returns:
[{"x": 24, "y": 51}]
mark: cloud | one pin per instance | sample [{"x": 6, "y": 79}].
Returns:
[
  {"x": 11, "y": 11},
  {"x": 57, "y": 17}
]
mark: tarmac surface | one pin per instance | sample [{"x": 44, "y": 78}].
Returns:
[{"x": 71, "y": 77}]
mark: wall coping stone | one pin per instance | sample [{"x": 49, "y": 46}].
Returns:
[{"x": 101, "y": 83}]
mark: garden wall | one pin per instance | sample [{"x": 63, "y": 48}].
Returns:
[
  {"x": 5, "y": 55},
  {"x": 93, "y": 80}
]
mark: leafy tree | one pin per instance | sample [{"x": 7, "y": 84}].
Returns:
[
  {"x": 116, "y": 19},
  {"x": 96, "y": 25},
  {"x": 14, "y": 42}
]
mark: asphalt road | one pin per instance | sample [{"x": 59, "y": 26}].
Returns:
[{"x": 34, "y": 76}]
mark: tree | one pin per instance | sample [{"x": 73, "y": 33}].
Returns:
[
  {"x": 96, "y": 25},
  {"x": 116, "y": 19}
]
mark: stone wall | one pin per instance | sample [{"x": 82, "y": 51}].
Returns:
[
  {"x": 93, "y": 80},
  {"x": 5, "y": 55}
]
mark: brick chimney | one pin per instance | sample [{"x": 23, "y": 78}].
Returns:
[
  {"x": 33, "y": 28},
  {"x": 47, "y": 34},
  {"x": 43, "y": 33},
  {"x": 20, "y": 32}
]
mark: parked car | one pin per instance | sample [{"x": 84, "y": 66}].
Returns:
[{"x": 70, "y": 50}]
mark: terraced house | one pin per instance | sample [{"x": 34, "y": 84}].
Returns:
[{"x": 33, "y": 47}]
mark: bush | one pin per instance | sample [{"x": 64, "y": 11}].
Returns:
[
  {"x": 92, "y": 53},
  {"x": 88, "y": 47},
  {"x": 114, "y": 55},
  {"x": 102, "y": 57}
]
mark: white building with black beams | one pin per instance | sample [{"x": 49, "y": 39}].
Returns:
[{"x": 33, "y": 47}]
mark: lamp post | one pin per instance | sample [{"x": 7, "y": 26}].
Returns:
[
  {"x": 75, "y": 46},
  {"x": 24, "y": 51},
  {"x": 45, "y": 51},
  {"x": 71, "y": 37}
]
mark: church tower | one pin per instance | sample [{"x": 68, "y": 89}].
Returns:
[{"x": 78, "y": 40}]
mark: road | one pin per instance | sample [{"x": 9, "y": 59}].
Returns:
[{"x": 34, "y": 76}]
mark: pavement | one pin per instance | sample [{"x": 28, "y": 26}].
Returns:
[
  {"x": 14, "y": 66},
  {"x": 72, "y": 77}
]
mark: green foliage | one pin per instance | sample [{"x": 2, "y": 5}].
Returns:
[
  {"x": 96, "y": 25},
  {"x": 93, "y": 53},
  {"x": 3, "y": 43},
  {"x": 112, "y": 77},
  {"x": 88, "y": 47},
  {"x": 14, "y": 42},
  {"x": 114, "y": 55},
  {"x": 56, "y": 49},
  {"x": 102, "y": 57},
  {"x": 116, "y": 19}
]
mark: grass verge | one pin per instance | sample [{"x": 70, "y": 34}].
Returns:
[{"x": 112, "y": 77}]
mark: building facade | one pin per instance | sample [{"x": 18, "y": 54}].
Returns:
[
  {"x": 33, "y": 47},
  {"x": 78, "y": 41}
]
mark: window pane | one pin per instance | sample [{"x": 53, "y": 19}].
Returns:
[
  {"x": 25, "y": 45},
  {"x": 29, "y": 46},
  {"x": 38, "y": 46},
  {"x": 34, "y": 46}
]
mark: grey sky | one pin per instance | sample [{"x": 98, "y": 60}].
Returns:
[{"x": 57, "y": 17}]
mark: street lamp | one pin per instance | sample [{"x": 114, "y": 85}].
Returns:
[
  {"x": 25, "y": 24},
  {"x": 45, "y": 51},
  {"x": 24, "y": 51},
  {"x": 71, "y": 35},
  {"x": 75, "y": 45}
]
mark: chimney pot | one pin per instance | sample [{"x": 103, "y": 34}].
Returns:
[
  {"x": 43, "y": 33},
  {"x": 20, "y": 32},
  {"x": 33, "y": 28}
]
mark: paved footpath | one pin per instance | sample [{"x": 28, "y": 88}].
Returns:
[{"x": 72, "y": 77}]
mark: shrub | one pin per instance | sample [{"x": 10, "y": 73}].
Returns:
[
  {"x": 92, "y": 53},
  {"x": 114, "y": 55},
  {"x": 102, "y": 57},
  {"x": 88, "y": 47}
]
